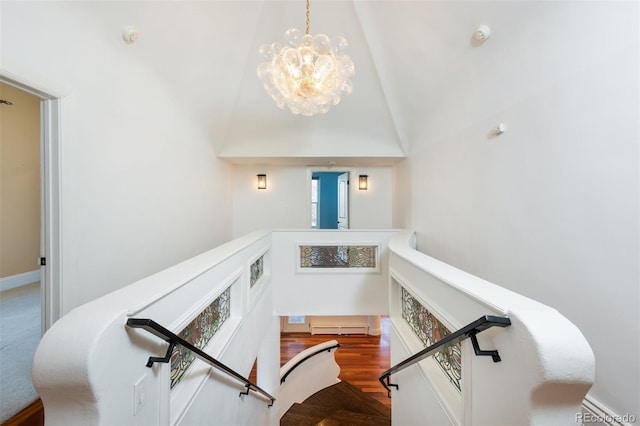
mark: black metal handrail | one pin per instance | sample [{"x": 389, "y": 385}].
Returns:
[
  {"x": 327, "y": 349},
  {"x": 173, "y": 340},
  {"x": 468, "y": 331}
]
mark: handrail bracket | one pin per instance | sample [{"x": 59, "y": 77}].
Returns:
[
  {"x": 246, "y": 392},
  {"x": 165, "y": 359},
  {"x": 479, "y": 352},
  {"x": 389, "y": 384}
]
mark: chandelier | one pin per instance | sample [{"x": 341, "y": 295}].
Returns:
[{"x": 306, "y": 73}]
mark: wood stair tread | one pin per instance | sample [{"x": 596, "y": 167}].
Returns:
[
  {"x": 302, "y": 415},
  {"x": 342, "y": 417},
  {"x": 339, "y": 404}
]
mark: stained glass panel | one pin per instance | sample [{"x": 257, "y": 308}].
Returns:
[
  {"x": 430, "y": 330},
  {"x": 257, "y": 270},
  {"x": 338, "y": 256},
  {"x": 199, "y": 332}
]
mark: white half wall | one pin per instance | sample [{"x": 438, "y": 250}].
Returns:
[
  {"x": 545, "y": 365},
  {"x": 323, "y": 291},
  {"x": 89, "y": 363}
]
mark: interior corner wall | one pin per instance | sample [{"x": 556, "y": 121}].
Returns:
[
  {"x": 402, "y": 192},
  {"x": 284, "y": 204},
  {"x": 141, "y": 187},
  {"x": 19, "y": 182},
  {"x": 549, "y": 208}
]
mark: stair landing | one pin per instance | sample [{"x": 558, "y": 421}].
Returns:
[{"x": 339, "y": 404}]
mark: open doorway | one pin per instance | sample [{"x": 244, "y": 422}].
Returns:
[
  {"x": 20, "y": 196},
  {"x": 30, "y": 274},
  {"x": 20, "y": 189},
  {"x": 329, "y": 206},
  {"x": 49, "y": 260}
]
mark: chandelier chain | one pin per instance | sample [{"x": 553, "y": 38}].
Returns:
[{"x": 308, "y": 17}]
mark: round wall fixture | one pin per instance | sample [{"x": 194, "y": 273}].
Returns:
[
  {"x": 482, "y": 33},
  {"x": 130, "y": 35}
]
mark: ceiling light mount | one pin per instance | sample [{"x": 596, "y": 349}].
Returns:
[
  {"x": 130, "y": 34},
  {"x": 483, "y": 32},
  {"x": 308, "y": 73}
]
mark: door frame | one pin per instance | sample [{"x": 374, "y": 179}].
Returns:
[
  {"x": 333, "y": 169},
  {"x": 343, "y": 201},
  {"x": 50, "y": 207}
]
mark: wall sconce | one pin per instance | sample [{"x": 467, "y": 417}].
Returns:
[
  {"x": 262, "y": 181},
  {"x": 363, "y": 182}
]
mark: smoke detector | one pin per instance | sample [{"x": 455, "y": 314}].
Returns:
[
  {"x": 482, "y": 33},
  {"x": 130, "y": 35}
]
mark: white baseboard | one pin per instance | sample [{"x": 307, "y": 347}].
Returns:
[
  {"x": 18, "y": 280},
  {"x": 597, "y": 414},
  {"x": 339, "y": 329},
  {"x": 375, "y": 331}
]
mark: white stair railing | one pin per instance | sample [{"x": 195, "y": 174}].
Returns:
[{"x": 308, "y": 372}]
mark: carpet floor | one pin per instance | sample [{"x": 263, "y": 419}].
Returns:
[{"x": 20, "y": 331}]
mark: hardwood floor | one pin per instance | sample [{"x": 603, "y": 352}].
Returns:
[
  {"x": 33, "y": 415},
  {"x": 362, "y": 358}
]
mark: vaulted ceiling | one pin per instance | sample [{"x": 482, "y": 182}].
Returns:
[{"x": 207, "y": 52}]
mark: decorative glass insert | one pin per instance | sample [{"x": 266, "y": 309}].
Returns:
[
  {"x": 430, "y": 330},
  {"x": 199, "y": 332},
  {"x": 338, "y": 256},
  {"x": 257, "y": 269}
]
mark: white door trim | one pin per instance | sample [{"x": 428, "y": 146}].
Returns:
[
  {"x": 51, "y": 217},
  {"x": 344, "y": 198}
]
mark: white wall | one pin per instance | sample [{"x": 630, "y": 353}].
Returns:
[
  {"x": 403, "y": 188},
  {"x": 549, "y": 209},
  {"x": 284, "y": 204},
  {"x": 141, "y": 186}
]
